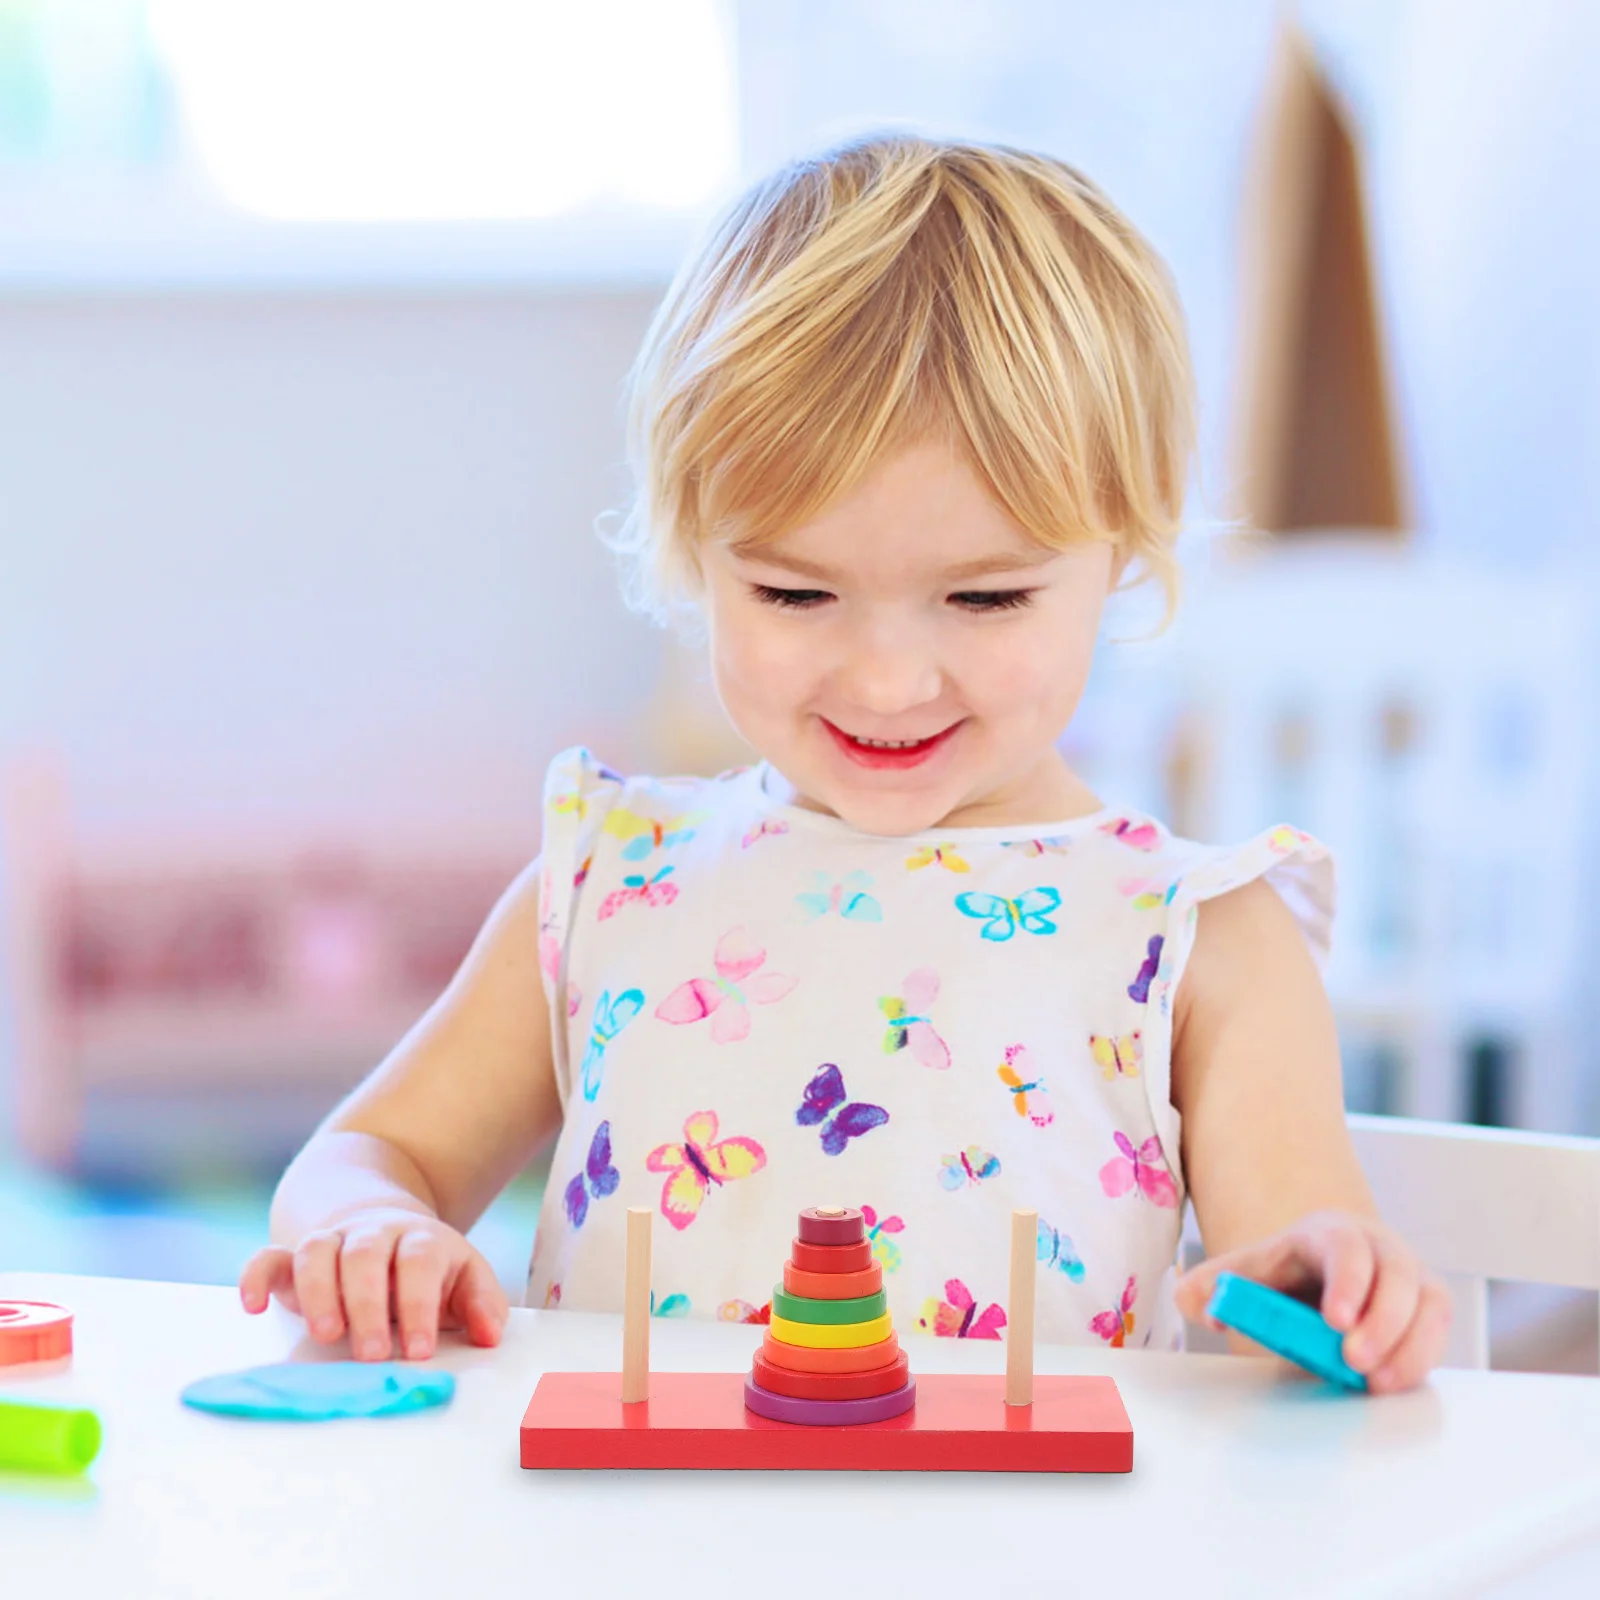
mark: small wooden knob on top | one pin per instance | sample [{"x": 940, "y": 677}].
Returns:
[{"x": 832, "y": 1225}]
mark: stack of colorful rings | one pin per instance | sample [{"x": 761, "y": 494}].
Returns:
[{"x": 830, "y": 1354}]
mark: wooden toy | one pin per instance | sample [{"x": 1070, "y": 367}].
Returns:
[
  {"x": 33, "y": 1330},
  {"x": 849, "y": 1405}
]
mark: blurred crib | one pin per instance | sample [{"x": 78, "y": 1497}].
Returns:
[{"x": 1429, "y": 722}]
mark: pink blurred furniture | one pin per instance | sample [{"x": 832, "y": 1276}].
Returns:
[{"x": 231, "y": 973}]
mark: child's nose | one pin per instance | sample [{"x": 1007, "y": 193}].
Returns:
[{"x": 886, "y": 676}]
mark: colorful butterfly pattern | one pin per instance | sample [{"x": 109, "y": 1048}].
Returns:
[
  {"x": 1115, "y": 1325},
  {"x": 943, "y": 855},
  {"x": 700, "y": 1164},
  {"x": 909, "y": 1027},
  {"x": 1001, "y": 916},
  {"x": 1142, "y": 836},
  {"x": 675, "y": 1305},
  {"x": 847, "y": 895},
  {"x": 968, "y": 1166},
  {"x": 1147, "y": 894},
  {"x": 609, "y": 1019},
  {"x": 550, "y": 964},
  {"x": 726, "y": 998},
  {"x": 1058, "y": 844},
  {"x": 766, "y": 828},
  {"x": 1026, "y": 1087},
  {"x": 824, "y": 1102},
  {"x": 1142, "y": 1171},
  {"x": 1058, "y": 1252},
  {"x": 1139, "y": 989},
  {"x": 1283, "y": 839},
  {"x": 743, "y": 1311},
  {"x": 643, "y": 835},
  {"x": 1118, "y": 1055},
  {"x": 884, "y": 1250},
  {"x": 640, "y": 890},
  {"x": 957, "y": 1315},
  {"x": 597, "y": 1180}
]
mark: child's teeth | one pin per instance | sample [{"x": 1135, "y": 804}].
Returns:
[{"x": 891, "y": 744}]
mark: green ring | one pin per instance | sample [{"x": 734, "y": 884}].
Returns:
[{"x": 797, "y": 1308}]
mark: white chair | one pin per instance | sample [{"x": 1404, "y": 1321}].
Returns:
[{"x": 1476, "y": 1204}]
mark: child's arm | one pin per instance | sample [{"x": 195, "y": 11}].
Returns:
[
  {"x": 369, "y": 1220},
  {"x": 1278, "y": 1192}
]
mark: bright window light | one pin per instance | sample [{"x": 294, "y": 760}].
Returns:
[{"x": 438, "y": 110}]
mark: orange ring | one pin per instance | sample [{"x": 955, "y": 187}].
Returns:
[
  {"x": 831, "y": 1385},
  {"x": 855, "y": 1257},
  {"x": 831, "y": 1285},
  {"x": 805, "y": 1358}
]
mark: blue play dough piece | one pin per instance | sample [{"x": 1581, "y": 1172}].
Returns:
[
  {"x": 316, "y": 1391},
  {"x": 1285, "y": 1326}
]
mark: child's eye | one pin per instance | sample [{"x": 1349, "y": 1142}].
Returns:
[
  {"x": 993, "y": 599},
  {"x": 790, "y": 599}
]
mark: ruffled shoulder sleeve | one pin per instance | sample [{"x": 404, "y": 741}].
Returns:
[{"x": 1297, "y": 866}]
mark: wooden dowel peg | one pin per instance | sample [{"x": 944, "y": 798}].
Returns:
[
  {"x": 1019, "y": 1308},
  {"x": 636, "y": 1307}
]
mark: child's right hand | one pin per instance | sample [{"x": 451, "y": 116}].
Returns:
[{"x": 380, "y": 1267}]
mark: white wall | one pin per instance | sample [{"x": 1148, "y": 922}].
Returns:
[{"x": 312, "y": 562}]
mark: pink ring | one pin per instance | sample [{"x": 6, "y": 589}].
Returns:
[
  {"x": 828, "y": 1413},
  {"x": 842, "y": 1226}
]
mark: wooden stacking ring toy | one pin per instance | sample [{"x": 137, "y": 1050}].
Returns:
[
  {"x": 830, "y": 1357},
  {"x": 831, "y": 1285},
  {"x": 804, "y": 1358},
  {"x": 831, "y": 1257},
  {"x": 33, "y": 1330},
  {"x": 832, "y": 1225},
  {"x": 831, "y": 1385}
]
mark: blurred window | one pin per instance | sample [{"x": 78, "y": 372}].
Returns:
[{"x": 160, "y": 126}]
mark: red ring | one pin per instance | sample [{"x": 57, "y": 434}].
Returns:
[
  {"x": 831, "y": 1257},
  {"x": 831, "y": 1385}
]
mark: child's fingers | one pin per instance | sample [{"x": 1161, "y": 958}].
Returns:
[
  {"x": 1389, "y": 1312},
  {"x": 420, "y": 1263},
  {"x": 364, "y": 1269},
  {"x": 1420, "y": 1347},
  {"x": 1348, "y": 1260},
  {"x": 268, "y": 1272},
  {"x": 477, "y": 1302},
  {"x": 316, "y": 1284}
]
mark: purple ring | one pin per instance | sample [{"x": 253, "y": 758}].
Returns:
[
  {"x": 828, "y": 1413},
  {"x": 844, "y": 1226}
]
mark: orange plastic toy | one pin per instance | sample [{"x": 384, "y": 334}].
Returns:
[{"x": 33, "y": 1330}]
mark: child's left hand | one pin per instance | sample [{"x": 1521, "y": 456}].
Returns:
[{"x": 1364, "y": 1279}]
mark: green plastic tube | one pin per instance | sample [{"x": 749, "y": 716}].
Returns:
[{"x": 36, "y": 1438}]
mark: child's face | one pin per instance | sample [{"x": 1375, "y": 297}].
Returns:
[{"x": 916, "y": 612}]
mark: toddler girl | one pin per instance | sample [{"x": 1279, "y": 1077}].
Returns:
[{"x": 909, "y": 417}]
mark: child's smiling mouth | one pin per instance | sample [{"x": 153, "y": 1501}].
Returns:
[{"x": 888, "y": 754}]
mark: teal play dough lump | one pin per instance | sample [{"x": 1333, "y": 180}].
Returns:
[{"x": 317, "y": 1391}]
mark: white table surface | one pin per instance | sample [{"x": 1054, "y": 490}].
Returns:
[{"x": 1246, "y": 1481}]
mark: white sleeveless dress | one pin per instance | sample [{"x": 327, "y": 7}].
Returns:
[{"x": 756, "y": 1008}]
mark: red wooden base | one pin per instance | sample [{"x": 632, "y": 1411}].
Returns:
[{"x": 699, "y": 1420}]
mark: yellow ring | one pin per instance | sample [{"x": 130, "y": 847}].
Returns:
[{"x": 832, "y": 1336}]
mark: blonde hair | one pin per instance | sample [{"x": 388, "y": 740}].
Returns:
[{"x": 899, "y": 288}]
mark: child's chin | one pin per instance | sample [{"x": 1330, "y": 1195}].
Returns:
[{"x": 889, "y": 815}]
